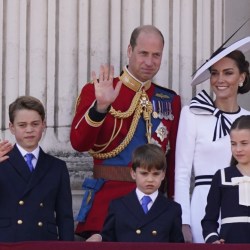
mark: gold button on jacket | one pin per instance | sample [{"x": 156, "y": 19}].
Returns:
[
  {"x": 21, "y": 203},
  {"x": 154, "y": 232},
  {"x": 40, "y": 224},
  {"x": 138, "y": 231}
]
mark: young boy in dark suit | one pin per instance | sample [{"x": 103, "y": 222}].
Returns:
[
  {"x": 35, "y": 195},
  {"x": 129, "y": 219}
]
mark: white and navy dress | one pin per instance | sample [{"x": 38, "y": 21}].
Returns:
[
  {"x": 230, "y": 195},
  {"x": 203, "y": 147}
]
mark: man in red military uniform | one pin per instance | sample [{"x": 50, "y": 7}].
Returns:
[{"x": 116, "y": 115}]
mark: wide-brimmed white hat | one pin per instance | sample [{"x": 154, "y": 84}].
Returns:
[{"x": 203, "y": 73}]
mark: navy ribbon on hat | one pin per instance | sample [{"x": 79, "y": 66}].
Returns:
[
  {"x": 221, "y": 47},
  {"x": 203, "y": 104}
]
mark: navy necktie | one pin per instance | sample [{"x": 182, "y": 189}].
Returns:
[
  {"x": 145, "y": 201},
  {"x": 29, "y": 158}
]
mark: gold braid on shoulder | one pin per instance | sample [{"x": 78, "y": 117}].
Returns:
[
  {"x": 140, "y": 104},
  {"x": 130, "y": 111}
]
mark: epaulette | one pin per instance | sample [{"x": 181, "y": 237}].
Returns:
[{"x": 170, "y": 91}]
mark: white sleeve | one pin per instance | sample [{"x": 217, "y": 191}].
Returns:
[{"x": 185, "y": 149}]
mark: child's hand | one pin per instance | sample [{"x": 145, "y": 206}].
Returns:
[
  {"x": 95, "y": 238},
  {"x": 5, "y": 147},
  {"x": 187, "y": 233},
  {"x": 221, "y": 241}
]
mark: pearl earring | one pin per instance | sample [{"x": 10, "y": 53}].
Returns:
[{"x": 240, "y": 84}]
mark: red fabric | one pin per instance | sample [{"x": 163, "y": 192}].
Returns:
[
  {"x": 114, "y": 246},
  {"x": 96, "y": 216},
  {"x": 176, "y": 107},
  {"x": 82, "y": 141}
]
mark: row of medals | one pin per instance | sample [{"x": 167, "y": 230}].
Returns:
[{"x": 162, "y": 110}]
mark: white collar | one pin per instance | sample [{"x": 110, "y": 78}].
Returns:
[
  {"x": 23, "y": 152},
  {"x": 140, "y": 194}
]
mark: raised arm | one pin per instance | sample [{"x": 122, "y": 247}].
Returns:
[
  {"x": 105, "y": 92},
  {"x": 5, "y": 147},
  {"x": 92, "y": 107}
]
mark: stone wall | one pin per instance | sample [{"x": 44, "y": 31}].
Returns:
[{"x": 80, "y": 167}]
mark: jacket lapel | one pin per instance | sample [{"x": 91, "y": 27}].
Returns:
[
  {"x": 134, "y": 206},
  {"x": 42, "y": 167},
  {"x": 19, "y": 164},
  {"x": 160, "y": 206}
]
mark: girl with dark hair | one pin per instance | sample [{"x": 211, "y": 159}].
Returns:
[{"x": 229, "y": 194}]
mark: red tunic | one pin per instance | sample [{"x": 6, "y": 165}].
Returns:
[{"x": 86, "y": 135}]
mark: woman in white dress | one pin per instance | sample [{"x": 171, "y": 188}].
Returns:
[{"x": 203, "y": 143}]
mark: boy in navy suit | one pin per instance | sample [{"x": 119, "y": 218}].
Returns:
[
  {"x": 129, "y": 219},
  {"x": 35, "y": 195}
]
